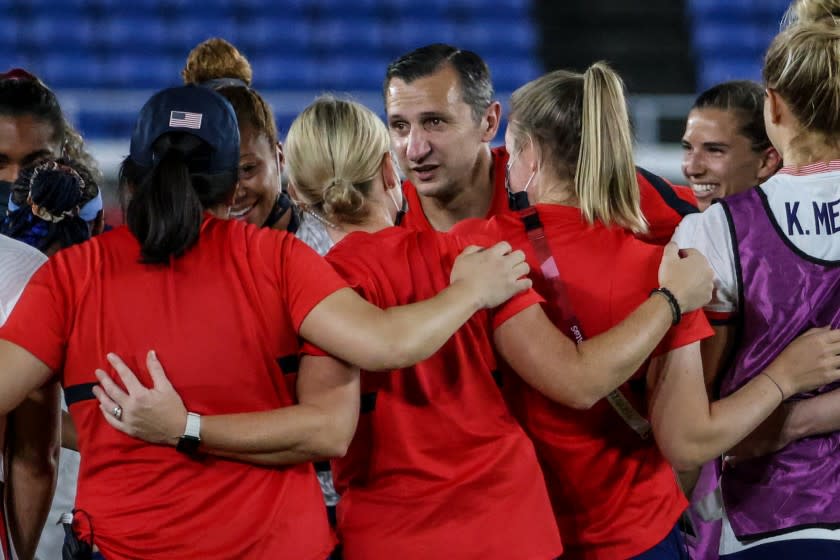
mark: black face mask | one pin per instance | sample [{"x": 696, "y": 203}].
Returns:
[
  {"x": 5, "y": 192},
  {"x": 282, "y": 205},
  {"x": 516, "y": 200},
  {"x": 401, "y": 212}
]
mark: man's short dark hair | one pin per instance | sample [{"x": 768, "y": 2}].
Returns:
[{"x": 476, "y": 86}]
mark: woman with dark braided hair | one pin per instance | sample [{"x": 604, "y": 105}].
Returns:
[
  {"x": 260, "y": 198},
  {"x": 33, "y": 129},
  {"x": 53, "y": 205}
]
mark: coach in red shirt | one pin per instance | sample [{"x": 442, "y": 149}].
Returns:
[{"x": 442, "y": 119}]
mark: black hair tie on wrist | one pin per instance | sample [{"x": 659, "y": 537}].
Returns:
[{"x": 676, "y": 312}]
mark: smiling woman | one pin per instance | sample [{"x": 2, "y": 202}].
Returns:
[
  {"x": 259, "y": 199},
  {"x": 725, "y": 145}
]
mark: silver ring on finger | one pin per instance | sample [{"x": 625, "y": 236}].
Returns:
[{"x": 117, "y": 412}]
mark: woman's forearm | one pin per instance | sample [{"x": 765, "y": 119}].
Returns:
[
  {"x": 360, "y": 333},
  {"x": 611, "y": 358},
  {"x": 580, "y": 375},
  {"x": 809, "y": 417},
  {"x": 348, "y": 327},
  {"x": 302, "y": 430},
  {"x": 688, "y": 429}
]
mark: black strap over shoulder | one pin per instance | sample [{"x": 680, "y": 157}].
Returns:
[{"x": 559, "y": 299}]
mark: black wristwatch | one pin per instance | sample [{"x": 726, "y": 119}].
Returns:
[{"x": 189, "y": 442}]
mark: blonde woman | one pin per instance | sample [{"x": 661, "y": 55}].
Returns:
[
  {"x": 613, "y": 492},
  {"x": 776, "y": 244},
  {"x": 438, "y": 468}
]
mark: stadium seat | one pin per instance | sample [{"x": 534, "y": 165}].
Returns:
[
  {"x": 483, "y": 34},
  {"x": 736, "y": 39},
  {"x": 110, "y": 126},
  {"x": 715, "y": 71},
  {"x": 11, "y": 34},
  {"x": 279, "y": 34},
  {"x": 185, "y": 32},
  {"x": 69, "y": 71},
  {"x": 137, "y": 34},
  {"x": 141, "y": 71},
  {"x": 511, "y": 72},
  {"x": 339, "y": 34},
  {"x": 280, "y": 71},
  {"x": 294, "y": 46},
  {"x": 352, "y": 73},
  {"x": 408, "y": 34}
]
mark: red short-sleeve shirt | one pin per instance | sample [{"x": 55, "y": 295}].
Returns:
[
  {"x": 438, "y": 467},
  {"x": 614, "y": 496},
  {"x": 220, "y": 318}
]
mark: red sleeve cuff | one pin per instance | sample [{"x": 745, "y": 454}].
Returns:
[
  {"x": 720, "y": 317},
  {"x": 514, "y": 305}
]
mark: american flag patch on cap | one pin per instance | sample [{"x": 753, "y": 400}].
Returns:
[{"x": 182, "y": 119}]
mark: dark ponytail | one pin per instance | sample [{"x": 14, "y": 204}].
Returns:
[{"x": 167, "y": 201}]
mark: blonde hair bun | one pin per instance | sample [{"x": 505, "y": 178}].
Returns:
[{"x": 342, "y": 198}]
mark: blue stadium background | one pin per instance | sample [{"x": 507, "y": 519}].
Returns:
[{"x": 104, "y": 57}]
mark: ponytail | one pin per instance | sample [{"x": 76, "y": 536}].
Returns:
[
  {"x": 580, "y": 124},
  {"x": 605, "y": 177},
  {"x": 167, "y": 202},
  {"x": 165, "y": 212}
]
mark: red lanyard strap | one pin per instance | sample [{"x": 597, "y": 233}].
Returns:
[{"x": 558, "y": 299}]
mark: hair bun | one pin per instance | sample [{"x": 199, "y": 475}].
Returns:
[
  {"x": 342, "y": 198},
  {"x": 56, "y": 191},
  {"x": 216, "y": 59}
]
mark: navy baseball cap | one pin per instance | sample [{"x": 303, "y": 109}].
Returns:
[{"x": 193, "y": 110}]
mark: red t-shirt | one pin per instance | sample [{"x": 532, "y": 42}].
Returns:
[
  {"x": 662, "y": 203},
  {"x": 614, "y": 495},
  {"x": 220, "y": 318},
  {"x": 438, "y": 467}
]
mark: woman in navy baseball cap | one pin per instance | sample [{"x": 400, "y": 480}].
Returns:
[{"x": 224, "y": 304}]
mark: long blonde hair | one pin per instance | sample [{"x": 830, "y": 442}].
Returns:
[
  {"x": 803, "y": 66},
  {"x": 334, "y": 150},
  {"x": 580, "y": 125}
]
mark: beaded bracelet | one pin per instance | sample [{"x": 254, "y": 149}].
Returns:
[{"x": 676, "y": 312}]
